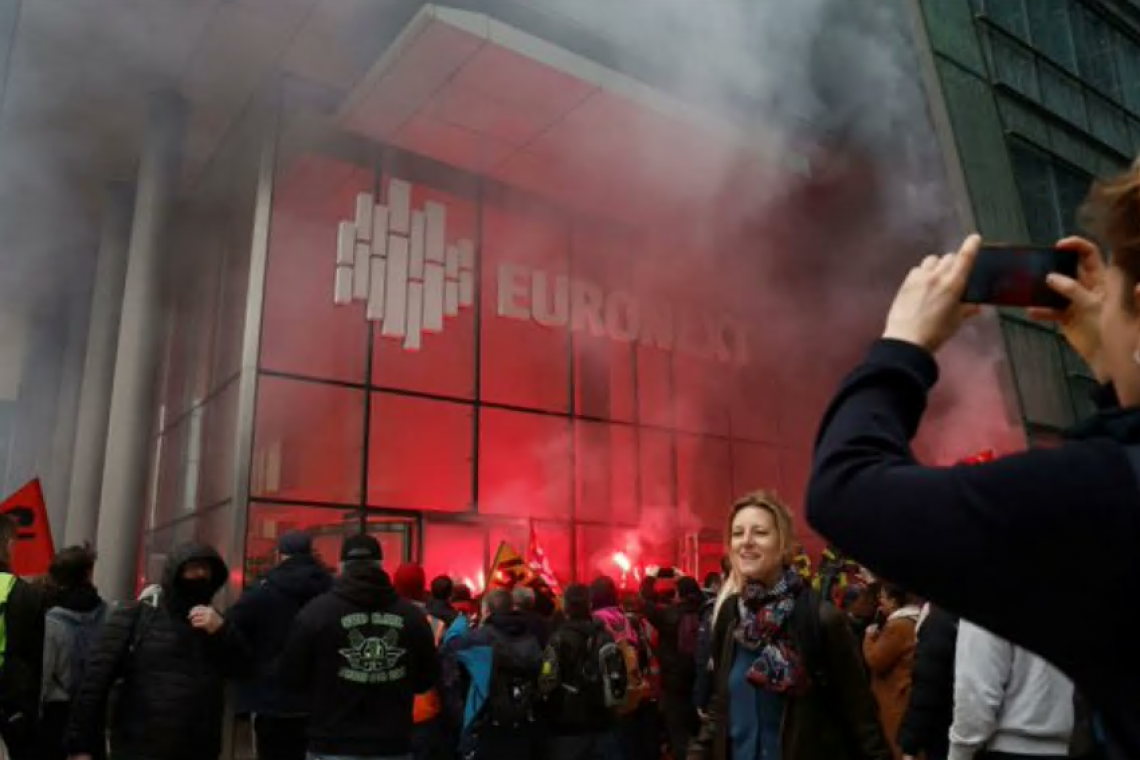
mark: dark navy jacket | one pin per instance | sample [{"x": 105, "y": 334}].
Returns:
[
  {"x": 264, "y": 615},
  {"x": 1006, "y": 544}
]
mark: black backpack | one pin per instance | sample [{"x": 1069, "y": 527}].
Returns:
[{"x": 514, "y": 687}]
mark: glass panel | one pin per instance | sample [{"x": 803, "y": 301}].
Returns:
[
  {"x": 1015, "y": 66},
  {"x": 753, "y": 404},
  {"x": 654, "y": 386},
  {"x": 170, "y": 454},
  {"x": 419, "y": 454},
  {"x": 524, "y": 465},
  {"x": 526, "y": 363},
  {"x": 658, "y": 470},
  {"x": 1128, "y": 62},
  {"x": 398, "y": 536},
  {"x": 219, "y": 433},
  {"x": 1010, "y": 15},
  {"x": 704, "y": 480},
  {"x": 445, "y": 362},
  {"x": 1050, "y": 28},
  {"x": 1034, "y": 181},
  {"x": 700, "y": 391},
  {"x": 1072, "y": 189},
  {"x": 304, "y": 331},
  {"x": 605, "y": 460},
  {"x": 603, "y": 363},
  {"x": 754, "y": 468},
  {"x": 1063, "y": 95},
  {"x": 457, "y": 550},
  {"x": 308, "y": 441},
  {"x": 1040, "y": 374},
  {"x": 1108, "y": 123},
  {"x": 1093, "y": 38},
  {"x": 267, "y": 522}
]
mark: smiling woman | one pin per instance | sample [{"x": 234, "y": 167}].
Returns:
[{"x": 789, "y": 680}]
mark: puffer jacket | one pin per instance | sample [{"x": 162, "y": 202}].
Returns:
[
  {"x": 833, "y": 720},
  {"x": 264, "y": 615},
  {"x": 169, "y": 705}
]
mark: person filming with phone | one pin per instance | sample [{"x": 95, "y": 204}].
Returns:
[{"x": 1001, "y": 543}]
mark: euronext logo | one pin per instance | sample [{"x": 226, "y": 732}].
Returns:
[{"x": 399, "y": 262}]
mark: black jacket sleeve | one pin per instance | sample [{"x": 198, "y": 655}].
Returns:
[
  {"x": 295, "y": 668},
  {"x": 105, "y": 665},
  {"x": 926, "y": 723},
  {"x": 980, "y": 540},
  {"x": 230, "y": 651}
]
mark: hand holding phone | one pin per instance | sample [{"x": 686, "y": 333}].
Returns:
[{"x": 1017, "y": 276}]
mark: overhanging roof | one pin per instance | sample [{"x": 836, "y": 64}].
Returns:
[{"x": 468, "y": 90}]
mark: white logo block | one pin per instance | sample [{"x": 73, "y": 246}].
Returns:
[{"x": 398, "y": 262}]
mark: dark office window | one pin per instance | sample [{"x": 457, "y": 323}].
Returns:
[
  {"x": 1051, "y": 30},
  {"x": 1051, "y": 192},
  {"x": 1032, "y": 173},
  {"x": 1008, "y": 14},
  {"x": 1094, "y": 40},
  {"x": 1128, "y": 62}
]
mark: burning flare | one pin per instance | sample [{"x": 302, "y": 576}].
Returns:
[{"x": 622, "y": 561}]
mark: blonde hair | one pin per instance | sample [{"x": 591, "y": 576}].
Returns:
[{"x": 781, "y": 515}]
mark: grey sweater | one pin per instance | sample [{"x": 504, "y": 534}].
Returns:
[{"x": 1007, "y": 699}]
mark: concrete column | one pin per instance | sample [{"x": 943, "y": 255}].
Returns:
[
  {"x": 58, "y": 476},
  {"x": 123, "y": 494},
  {"x": 99, "y": 366}
]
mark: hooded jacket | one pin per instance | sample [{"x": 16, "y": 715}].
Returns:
[
  {"x": 264, "y": 615},
  {"x": 170, "y": 703},
  {"x": 20, "y": 678},
  {"x": 836, "y": 720},
  {"x": 76, "y": 608},
  {"x": 471, "y": 653},
  {"x": 1013, "y": 512},
  {"x": 362, "y": 654}
]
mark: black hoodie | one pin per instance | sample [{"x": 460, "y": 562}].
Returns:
[
  {"x": 172, "y": 695},
  {"x": 1000, "y": 543},
  {"x": 264, "y": 615},
  {"x": 362, "y": 654}
]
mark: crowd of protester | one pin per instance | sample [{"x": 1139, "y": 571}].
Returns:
[{"x": 762, "y": 660}]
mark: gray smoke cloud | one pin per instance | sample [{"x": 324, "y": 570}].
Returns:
[{"x": 810, "y": 261}]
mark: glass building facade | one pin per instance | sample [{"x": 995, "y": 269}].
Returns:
[
  {"x": 441, "y": 315},
  {"x": 1042, "y": 96}
]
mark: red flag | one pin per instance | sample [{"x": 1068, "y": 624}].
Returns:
[
  {"x": 34, "y": 547},
  {"x": 539, "y": 563}
]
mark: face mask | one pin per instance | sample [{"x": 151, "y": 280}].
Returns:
[{"x": 197, "y": 590}]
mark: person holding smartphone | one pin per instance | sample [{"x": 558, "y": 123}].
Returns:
[{"x": 1001, "y": 542}]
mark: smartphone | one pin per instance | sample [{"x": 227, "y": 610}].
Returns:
[{"x": 1014, "y": 275}]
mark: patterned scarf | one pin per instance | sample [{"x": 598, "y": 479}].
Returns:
[{"x": 764, "y": 616}]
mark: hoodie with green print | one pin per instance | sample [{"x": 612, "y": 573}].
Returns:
[{"x": 362, "y": 654}]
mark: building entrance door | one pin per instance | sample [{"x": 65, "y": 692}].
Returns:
[{"x": 399, "y": 536}]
